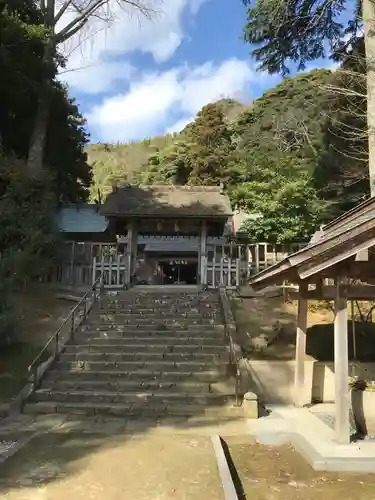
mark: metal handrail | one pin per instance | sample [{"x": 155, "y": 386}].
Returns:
[
  {"x": 234, "y": 358},
  {"x": 33, "y": 367}
]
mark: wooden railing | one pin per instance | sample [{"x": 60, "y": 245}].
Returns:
[
  {"x": 113, "y": 270},
  {"x": 57, "y": 340},
  {"x": 228, "y": 264}
]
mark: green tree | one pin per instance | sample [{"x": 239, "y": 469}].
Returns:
[
  {"x": 55, "y": 34},
  {"x": 281, "y": 196},
  {"x": 21, "y": 64},
  {"x": 293, "y": 31},
  {"x": 169, "y": 166},
  {"x": 211, "y": 153},
  {"x": 342, "y": 172}
]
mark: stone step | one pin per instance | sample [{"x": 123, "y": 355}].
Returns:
[
  {"x": 160, "y": 365},
  {"x": 170, "y": 329},
  {"x": 162, "y": 348},
  {"x": 133, "y": 398},
  {"x": 136, "y": 320},
  {"x": 216, "y": 413},
  {"x": 123, "y": 340},
  {"x": 205, "y": 309},
  {"x": 151, "y": 317},
  {"x": 120, "y": 385},
  {"x": 157, "y": 300},
  {"x": 145, "y": 356},
  {"x": 142, "y": 375}
]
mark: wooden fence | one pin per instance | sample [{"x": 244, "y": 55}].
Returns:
[{"x": 227, "y": 264}]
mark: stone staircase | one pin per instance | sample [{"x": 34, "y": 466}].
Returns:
[{"x": 145, "y": 353}]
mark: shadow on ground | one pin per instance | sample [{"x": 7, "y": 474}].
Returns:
[{"x": 81, "y": 456}]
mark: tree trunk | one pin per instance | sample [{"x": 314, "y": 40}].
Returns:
[
  {"x": 39, "y": 133},
  {"x": 369, "y": 24},
  {"x": 38, "y": 137}
]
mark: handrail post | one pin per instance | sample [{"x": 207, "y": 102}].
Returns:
[
  {"x": 72, "y": 327},
  {"x": 56, "y": 346},
  {"x": 84, "y": 309},
  {"x": 55, "y": 338}
]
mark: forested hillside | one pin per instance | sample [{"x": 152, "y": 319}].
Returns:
[{"x": 291, "y": 155}]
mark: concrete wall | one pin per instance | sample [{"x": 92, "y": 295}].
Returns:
[
  {"x": 273, "y": 381},
  {"x": 323, "y": 388}
]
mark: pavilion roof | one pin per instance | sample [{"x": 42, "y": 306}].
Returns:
[
  {"x": 335, "y": 242},
  {"x": 168, "y": 201}
]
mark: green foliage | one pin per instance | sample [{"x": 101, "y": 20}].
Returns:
[
  {"x": 281, "y": 196},
  {"x": 168, "y": 166},
  {"x": 211, "y": 153},
  {"x": 27, "y": 233},
  {"x": 296, "y": 31},
  {"x": 287, "y": 118},
  {"x": 341, "y": 174},
  {"x": 23, "y": 72},
  {"x": 122, "y": 162}
]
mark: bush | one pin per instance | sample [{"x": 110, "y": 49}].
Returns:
[{"x": 27, "y": 234}]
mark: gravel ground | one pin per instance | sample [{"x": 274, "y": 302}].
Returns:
[
  {"x": 279, "y": 473},
  {"x": 121, "y": 467}
]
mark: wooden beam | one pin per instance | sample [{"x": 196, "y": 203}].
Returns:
[
  {"x": 299, "y": 375},
  {"x": 342, "y": 426},
  {"x": 328, "y": 292},
  {"x": 309, "y": 269}
]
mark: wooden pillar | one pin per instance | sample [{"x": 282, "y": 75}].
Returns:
[
  {"x": 342, "y": 426},
  {"x": 300, "y": 392},
  {"x": 131, "y": 250},
  {"x": 72, "y": 263},
  {"x": 203, "y": 253}
]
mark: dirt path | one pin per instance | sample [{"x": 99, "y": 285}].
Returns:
[
  {"x": 280, "y": 473},
  {"x": 91, "y": 467}
]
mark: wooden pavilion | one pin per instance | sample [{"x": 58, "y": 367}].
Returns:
[
  {"x": 342, "y": 252},
  {"x": 167, "y": 210}
]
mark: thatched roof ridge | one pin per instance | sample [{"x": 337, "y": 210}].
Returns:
[{"x": 168, "y": 201}]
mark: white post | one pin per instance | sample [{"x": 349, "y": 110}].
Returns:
[
  {"x": 341, "y": 364},
  {"x": 203, "y": 253},
  {"x": 299, "y": 374}
]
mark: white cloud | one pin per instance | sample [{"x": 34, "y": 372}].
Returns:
[
  {"x": 152, "y": 103},
  {"x": 129, "y": 32},
  {"x": 179, "y": 125}
]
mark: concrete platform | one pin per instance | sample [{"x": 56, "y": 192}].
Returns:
[{"x": 313, "y": 439}]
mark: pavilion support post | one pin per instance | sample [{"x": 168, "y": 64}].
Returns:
[
  {"x": 342, "y": 426},
  {"x": 203, "y": 254},
  {"x": 301, "y": 395}
]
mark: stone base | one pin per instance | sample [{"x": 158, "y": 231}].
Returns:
[{"x": 250, "y": 405}]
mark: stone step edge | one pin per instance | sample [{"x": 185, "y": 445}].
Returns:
[
  {"x": 146, "y": 345},
  {"x": 139, "y": 394},
  {"x": 144, "y": 373},
  {"x": 124, "y": 410}
]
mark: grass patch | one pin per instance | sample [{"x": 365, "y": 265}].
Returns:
[{"x": 14, "y": 362}]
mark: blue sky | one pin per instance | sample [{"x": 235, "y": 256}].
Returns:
[{"x": 140, "y": 78}]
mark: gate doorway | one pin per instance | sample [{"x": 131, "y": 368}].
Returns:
[{"x": 179, "y": 272}]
